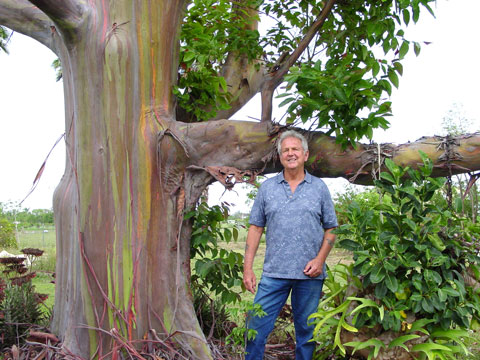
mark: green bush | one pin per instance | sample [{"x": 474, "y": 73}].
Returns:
[
  {"x": 7, "y": 234},
  {"x": 410, "y": 263}
]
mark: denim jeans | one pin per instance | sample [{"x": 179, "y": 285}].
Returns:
[{"x": 272, "y": 294}]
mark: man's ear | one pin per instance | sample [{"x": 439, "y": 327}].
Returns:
[{"x": 307, "y": 153}]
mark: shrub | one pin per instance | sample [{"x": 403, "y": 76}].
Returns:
[
  {"x": 7, "y": 234},
  {"x": 411, "y": 260}
]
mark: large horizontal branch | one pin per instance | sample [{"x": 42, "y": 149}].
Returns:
[
  {"x": 23, "y": 17},
  {"x": 250, "y": 146}
]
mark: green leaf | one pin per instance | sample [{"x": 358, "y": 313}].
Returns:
[
  {"x": 392, "y": 75},
  {"x": 286, "y": 101},
  {"x": 417, "y": 48},
  {"x": 428, "y": 347},
  {"x": 450, "y": 291},
  {"x": 366, "y": 303},
  {"x": 188, "y": 55},
  {"x": 406, "y": 16},
  {"x": 340, "y": 94},
  {"x": 228, "y": 235},
  {"x": 387, "y": 176},
  {"x": 427, "y": 305},
  {"x": 359, "y": 345},
  {"x": 377, "y": 274},
  {"x": 401, "y": 340},
  {"x": 392, "y": 167},
  {"x": 223, "y": 83},
  {"x": 403, "y": 49},
  {"x": 350, "y": 245},
  {"x": 391, "y": 282}
]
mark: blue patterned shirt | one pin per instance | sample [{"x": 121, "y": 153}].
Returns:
[{"x": 295, "y": 224}]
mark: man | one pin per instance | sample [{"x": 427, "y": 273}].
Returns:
[{"x": 298, "y": 212}]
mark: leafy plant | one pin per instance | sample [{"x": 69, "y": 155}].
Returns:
[
  {"x": 410, "y": 263},
  {"x": 240, "y": 334},
  {"x": 20, "y": 304},
  {"x": 216, "y": 269}
]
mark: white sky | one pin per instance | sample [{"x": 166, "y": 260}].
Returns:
[{"x": 32, "y": 115}]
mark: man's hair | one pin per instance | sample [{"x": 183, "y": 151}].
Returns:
[{"x": 291, "y": 133}]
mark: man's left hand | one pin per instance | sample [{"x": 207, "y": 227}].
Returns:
[{"x": 314, "y": 268}]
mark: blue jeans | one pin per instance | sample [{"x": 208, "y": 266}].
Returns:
[{"x": 272, "y": 294}]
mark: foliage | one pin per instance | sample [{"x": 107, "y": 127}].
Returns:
[
  {"x": 215, "y": 270},
  {"x": 57, "y": 66},
  {"x": 20, "y": 304},
  {"x": 240, "y": 334},
  {"x": 343, "y": 74},
  {"x": 410, "y": 260},
  {"x": 346, "y": 70},
  {"x": 7, "y": 233},
  {"x": 217, "y": 276},
  {"x": 26, "y": 217},
  {"x": 211, "y": 30},
  {"x": 4, "y": 37}
]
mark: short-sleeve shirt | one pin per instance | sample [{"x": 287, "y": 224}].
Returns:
[{"x": 295, "y": 224}]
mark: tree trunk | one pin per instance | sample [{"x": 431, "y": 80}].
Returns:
[{"x": 122, "y": 268}]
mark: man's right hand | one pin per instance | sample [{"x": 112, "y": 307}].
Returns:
[{"x": 250, "y": 280}]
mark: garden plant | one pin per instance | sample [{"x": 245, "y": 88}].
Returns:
[{"x": 412, "y": 290}]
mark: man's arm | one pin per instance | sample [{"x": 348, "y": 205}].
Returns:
[
  {"x": 253, "y": 239},
  {"x": 315, "y": 267}
]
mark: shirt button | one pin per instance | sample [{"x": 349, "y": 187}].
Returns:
[{"x": 290, "y": 196}]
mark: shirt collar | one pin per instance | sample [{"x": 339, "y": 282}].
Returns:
[{"x": 308, "y": 177}]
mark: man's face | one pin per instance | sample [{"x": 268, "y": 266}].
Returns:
[{"x": 292, "y": 155}]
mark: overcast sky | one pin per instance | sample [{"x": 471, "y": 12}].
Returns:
[{"x": 32, "y": 115}]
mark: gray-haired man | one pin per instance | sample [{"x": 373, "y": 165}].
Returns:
[{"x": 297, "y": 210}]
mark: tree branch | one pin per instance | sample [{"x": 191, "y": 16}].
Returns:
[
  {"x": 284, "y": 63},
  {"x": 23, "y": 17},
  {"x": 244, "y": 78},
  {"x": 251, "y": 146},
  {"x": 66, "y": 14},
  {"x": 280, "y": 73}
]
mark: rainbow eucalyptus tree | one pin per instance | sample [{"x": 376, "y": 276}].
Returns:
[{"x": 148, "y": 88}]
